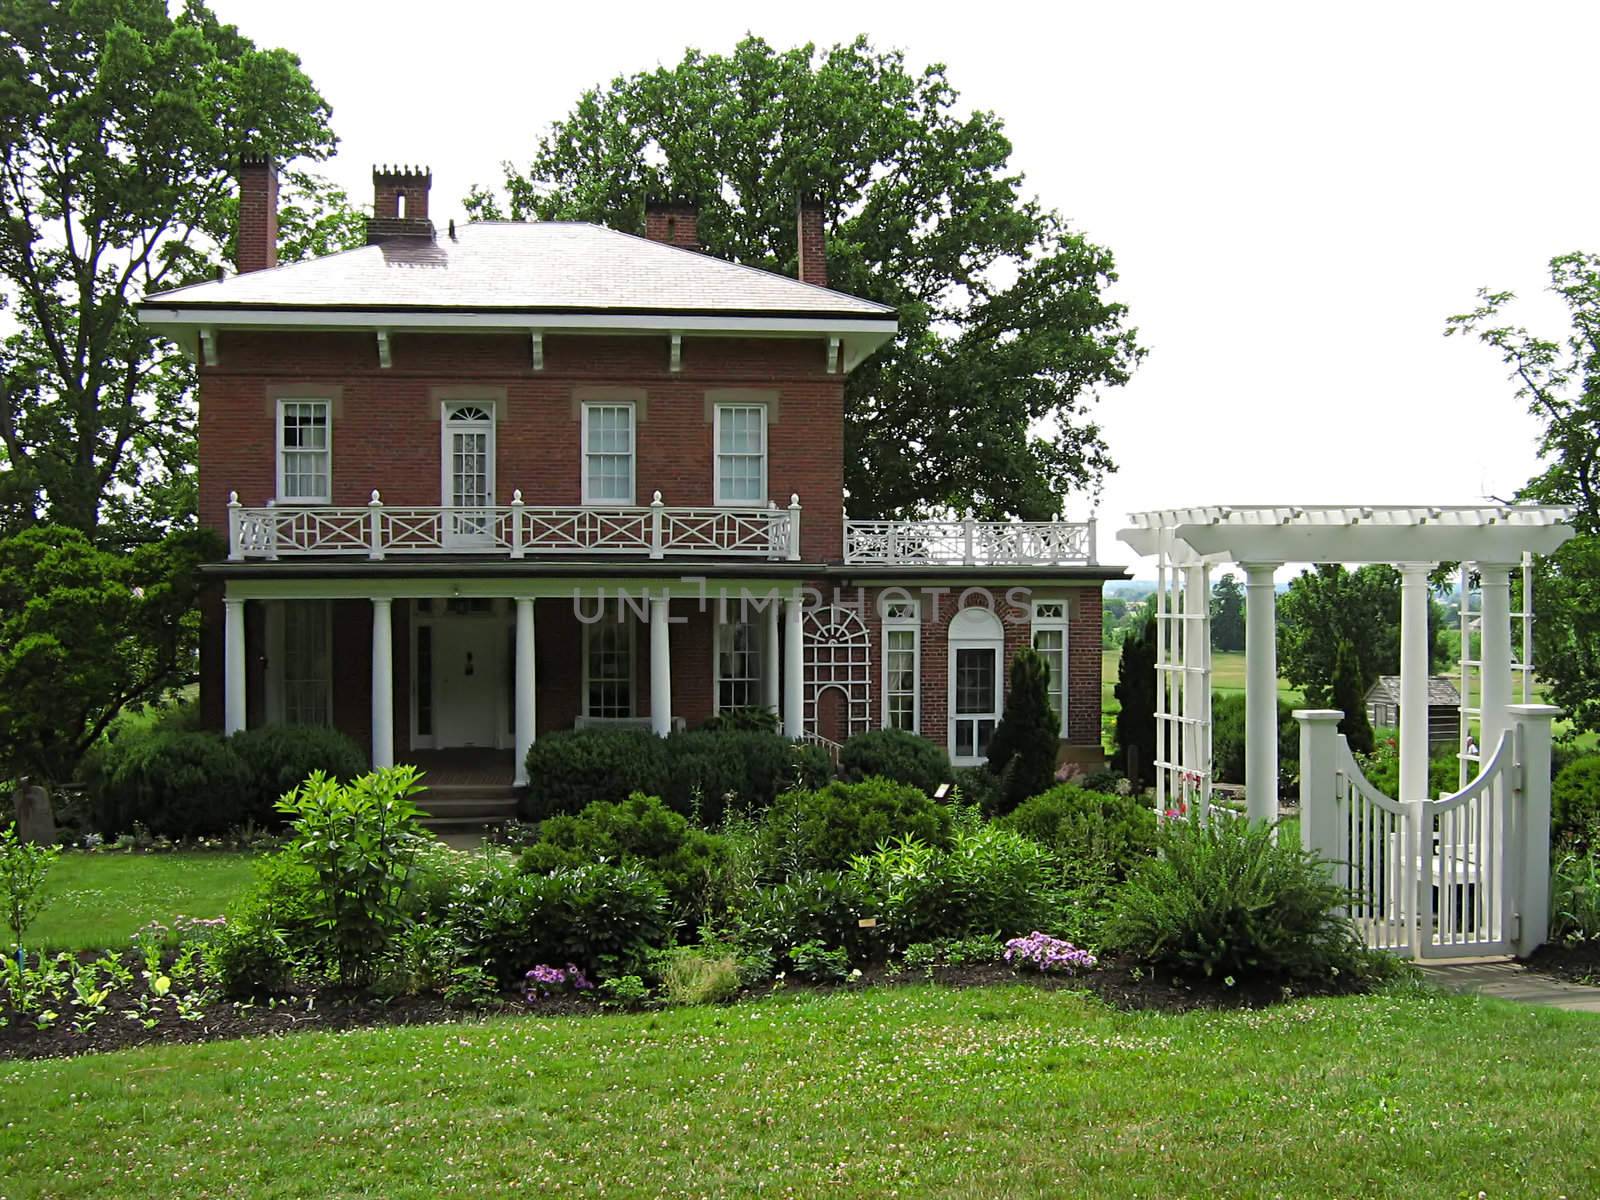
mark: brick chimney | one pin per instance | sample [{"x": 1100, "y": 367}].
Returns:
[
  {"x": 399, "y": 204},
  {"x": 257, "y": 244},
  {"x": 676, "y": 222},
  {"x": 813, "y": 267}
]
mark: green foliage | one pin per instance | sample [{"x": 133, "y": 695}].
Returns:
[
  {"x": 86, "y": 633},
  {"x": 1328, "y": 609},
  {"x": 705, "y": 770},
  {"x": 177, "y": 785},
  {"x": 824, "y": 830},
  {"x": 640, "y": 830},
  {"x": 1227, "y": 613},
  {"x": 979, "y": 786},
  {"x": 279, "y": 758},
  {"x": 1228, "y": 733},
  {"x": 1023, "y": 749},
  {"x": 1228, "y": 901},
  {"x": 750, "y": 719},
  {"x": 825, "y": 907},
  {"x": 1350, "y": 697},
  {"x": 114, "y": 188},
  {"x": 1575, "y": 897},
  {"x": 1091, "y": 831},
  {"x": 23, "y": 868},
  {"x": 601, "y": 916},
  {"x": 249, "y": 958},
  {"x": 1004, "y": 326},
  {"x": 1575, "y": 801},
  {"x": 694, "y": 975},
  {"x": 823, "y": 964},
  {"x": 1135, "y": 734},
  {"x": 1382, "y": 768},
  {"x": 286, "y": 896},
  {"x": 624, "y": 991},
  {"x": 813, "y": 768},
  {"x": 895, "y": 754},
  {"x": 359, "y": 839}
]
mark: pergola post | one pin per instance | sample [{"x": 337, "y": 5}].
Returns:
[
  {"x": 1196, "y": 740},
  {"x": 234, "y": 689},
  {"x": 1494, "y": 656},
  {"x": 1260, "y": 692},
  {"x": 1414, "y": 671}
]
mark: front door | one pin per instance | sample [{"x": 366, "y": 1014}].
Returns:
[
  {"x": 468, "y": 665},
  {"x": 977, "y": 701}
]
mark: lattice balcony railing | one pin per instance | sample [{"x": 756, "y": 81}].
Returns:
[
  {"x": 970, "y": 543},
  {"x": 376, "y": 530}
]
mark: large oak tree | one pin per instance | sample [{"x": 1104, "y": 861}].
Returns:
[{"x": 1006, "y": 333}]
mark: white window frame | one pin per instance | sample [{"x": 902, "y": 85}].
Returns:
[
  {"x": 759, "y": 626},
  {"x": 1056, "y": 623},
  {"x": 903, "y": 616},
  {"x": 327, "y": 450},
  {"x": 717, "y": 455},
  {"x": 631, "y": 626},
  {"x": 633, "y": 452},
  {"x": 448, "y": 425},
  {"x": 992, "y": 640}
]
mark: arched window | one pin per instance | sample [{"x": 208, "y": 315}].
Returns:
[{"x": 977, "y": 644}]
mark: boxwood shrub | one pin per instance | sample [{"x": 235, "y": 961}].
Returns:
[
  {"x": 898, "y": 755},
  {"x": 176, "y": 784},
  {"x": 1089, "y": 830},
  {"x": 571, "y": 769},
  {"x": 1575, "y": 799},
  {"x": 824, "y": 829},
  {"x": 278, "y": 758}
]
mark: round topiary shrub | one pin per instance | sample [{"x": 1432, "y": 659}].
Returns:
[
  {"x": 1089, "y": 830},
  {"x": 177, "y": 785},
  {"x": 895, "y": 754},
  {"x": 278, "y": 758},
  {"x": 823, "y": 830},
  {"x": 569, "y": 770},
  {"x": 1575, "y": 799}
]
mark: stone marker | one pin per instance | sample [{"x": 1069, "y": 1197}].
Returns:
[{"x": 36, "y": 822}]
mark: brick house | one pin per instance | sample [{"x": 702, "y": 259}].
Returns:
[{"x": 483, "y": 484}]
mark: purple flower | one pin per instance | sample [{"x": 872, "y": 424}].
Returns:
[
  {"x": 1045, "y": 953},
  {"x": 544, "y": 981}
]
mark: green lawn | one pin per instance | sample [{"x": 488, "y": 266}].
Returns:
[
  {"x": 1005, "y": 1091},
  {"x": 1227, "y": 675},
  {"x": 98, "y": 900}
]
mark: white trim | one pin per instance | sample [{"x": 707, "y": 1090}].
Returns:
[
  {"x": 630, "y": 624},
  {"x": 1061, "y": 625},
  {"x": 447, "y": 587},
  {"x": 633, "y": 451},
  {"x": 156, "y": 316},
  {"x": 716, "y": 451},
  {"x": 902, "y": 624},
  {"x": 384, "y": 358},
  {"x": 327, "y": 450},
  {"x": 993, "y": 639}
]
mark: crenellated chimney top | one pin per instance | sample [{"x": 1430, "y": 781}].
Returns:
[{"x": 399, "y": 203}]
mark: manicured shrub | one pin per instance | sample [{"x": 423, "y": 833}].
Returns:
[
  {"x": 1575, "y": 799},
  {"x": 752, "y": 719},
  {"x": 249, "y": 958},
  {"x": 980, "y": 786},
  {"x": 825, "y": 907},
  {"x": 1227, "y": 741},
  {"x": 570, "y": 769},
  {"x": 898, "y": 755},
  {"x": 1023, "y": 749},
  {"x": 1091, "y": 831},
  {"x": 823, "y": 830},
  {"x": 1227, "y": 901},
  {"x": 279, "y": 758},
  {"x": 175, "y": 784},
  {"x": 813, "y": 768}
]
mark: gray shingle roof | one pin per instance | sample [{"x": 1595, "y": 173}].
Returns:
[
  {"x": 525, "y": 267},
  {"x": 1440, "y": 690}
]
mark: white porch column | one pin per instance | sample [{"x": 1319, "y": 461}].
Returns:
[
  {"x": 382, "y": 682},
  {"x": 233, "y": 670},
  {"x": 1260, "y": 692},
  {"x": 523, "y": 693},
  {"x": 771, "y": 660},
  {"x": 660, "y": 668},
  {"x": 794, "y": 715},
  {"x": 1495, "y": 656},
  {"x": 1414, "y": 668}
]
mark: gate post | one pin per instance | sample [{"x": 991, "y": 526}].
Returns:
[
  {"x": 1532, "y": 864},
  {"x": 1319, "y": 768}
]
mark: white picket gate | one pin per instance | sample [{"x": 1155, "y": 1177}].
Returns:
[{"x": 1462, "y": 876}]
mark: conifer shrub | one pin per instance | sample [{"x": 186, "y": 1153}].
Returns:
[{"x": 1025, "y": 744}]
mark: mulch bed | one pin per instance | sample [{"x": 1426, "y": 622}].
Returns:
[
  {"x": 1576, "y": 963},
  {"x": 1123, "y": 987}
]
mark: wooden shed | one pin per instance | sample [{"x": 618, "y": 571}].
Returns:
[{"x": 1444, "y": 707}]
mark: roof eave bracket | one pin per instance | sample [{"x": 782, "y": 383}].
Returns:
[
  {"x": 383, "y": 348},
  {"x": 536, "y": 338},
  {"x": 677, "y": 353}
]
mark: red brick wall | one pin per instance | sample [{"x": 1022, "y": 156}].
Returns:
[
  {"x": 258, "y": 216},
  {"x": 813, "y": 266},
  {"x": 386, "y": 430},
  {"x": 389, "y": 186}
]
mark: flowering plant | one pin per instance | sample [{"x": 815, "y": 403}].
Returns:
[
  {"x": 545, "y": 981},
  {"x": 1045, "y": 953}
]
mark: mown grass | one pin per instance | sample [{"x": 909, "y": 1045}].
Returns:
[
  {"x": 1227, "y": 675},
  {"x": 1004, "y": 1091},
  {"x": 100, "y": 899}
]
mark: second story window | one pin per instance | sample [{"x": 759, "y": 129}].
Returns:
[
  {"x": 741, "y": 435},
  {"x": 304, "y": 452},
  {"x": 608, "y": 454}
]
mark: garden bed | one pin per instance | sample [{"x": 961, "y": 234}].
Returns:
[{"x": 1578, "y": 962}]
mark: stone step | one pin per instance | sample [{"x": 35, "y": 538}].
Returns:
[{"x": 466, "y": 806}]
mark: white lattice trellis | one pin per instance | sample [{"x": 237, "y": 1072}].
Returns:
[{"x": 838, "y": 654}]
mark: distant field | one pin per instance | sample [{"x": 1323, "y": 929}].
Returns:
[{"x": 1227, "y": 675}]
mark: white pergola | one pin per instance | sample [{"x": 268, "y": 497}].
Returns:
[{"x": 1188, "y": 542}]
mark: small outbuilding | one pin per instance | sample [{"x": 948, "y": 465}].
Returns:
[{"x": 1444, "y": 707}]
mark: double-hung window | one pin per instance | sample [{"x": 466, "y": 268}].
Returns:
[
  {"x": 608, "y": 670},
  {"x": 739, "y": 653},
  {"x": 608, "y": 453},
  {"x": 304, "y": 452},
  {"x": 902, "y": 634},
  {"x": 1050, "y": 641},
  {"x": 741, "y": 436}
]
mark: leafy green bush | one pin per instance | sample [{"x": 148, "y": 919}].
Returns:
[
  {"x": 601, "y": 916},
  {"x": 813, "y": 768},
  {"x": 1025, "y": 744},
  {"x": 283, "y": 896},
  {"x": 1088, "y": 829},
  {"x": 359, "y": 839},
  {"x": 279, "y": 758},
  {"x": 175, "y": 784},
  {"x": 811, "y": 906},
  {"x": 752, "y": 719},
  {"x": 895, "y": 754},
  {"x": 823, "y": 830},
  {"x": 980, "y": 786},
  {"x": 1225, "y": 900},
  {"x": 570, "y": 769},
  {"x": 639, "y": 830},
  {"x": 1227, "y": 741},
  {"x": 1575, "y": 897},
  {"x": 1382, "y": 768},
  {"x": 23, "y": 867},
  {"x": 249, "y": 958},
  {"x": 1575, "y": 800}
]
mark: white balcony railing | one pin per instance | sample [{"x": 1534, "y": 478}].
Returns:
[
  {"x": 376, "y": 530},
  {"x": 969, "y": 543}
]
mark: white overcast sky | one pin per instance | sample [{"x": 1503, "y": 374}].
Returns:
[{"x": 1297, "y": 196}]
